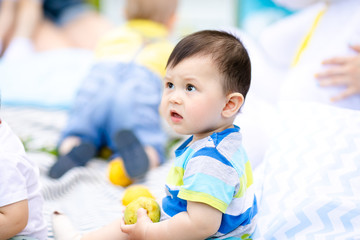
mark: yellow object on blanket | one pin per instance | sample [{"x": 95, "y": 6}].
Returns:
[
  {"x": 134, "y": 192},
  {"x": 150, "y": 205},
  {"x": 117, "y": 173}
]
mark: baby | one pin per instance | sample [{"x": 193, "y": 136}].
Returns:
[{"x": 209, "y": 188}]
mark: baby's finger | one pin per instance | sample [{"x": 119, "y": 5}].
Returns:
[
  {"x": 126, "y": 228},
  {"x": 122, "y": 221},
  {"x": 142, "y": 213}
]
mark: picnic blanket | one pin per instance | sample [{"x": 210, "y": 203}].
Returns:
[
  {"x": 85, "y": 194},
  {"x": 307, "y": 184}
]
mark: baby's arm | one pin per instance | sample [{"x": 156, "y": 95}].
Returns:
[
  {"x": 198, "y": 222},
  {"x": 13, "y": 219}
]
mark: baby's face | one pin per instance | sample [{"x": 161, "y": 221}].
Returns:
[{"x": 193, "y": 97}]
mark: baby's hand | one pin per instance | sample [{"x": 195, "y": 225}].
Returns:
[{"x": 138, "y": 230}]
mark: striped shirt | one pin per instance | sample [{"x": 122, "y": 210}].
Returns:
[{"x": 216, "y": 171}]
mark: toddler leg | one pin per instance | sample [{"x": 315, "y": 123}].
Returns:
[
  {"x": 111, "y": 231},
  {"x": 63, "y": 230},
  {"x": 78, "y": 156},
  {"x": 132, "y": 152}
]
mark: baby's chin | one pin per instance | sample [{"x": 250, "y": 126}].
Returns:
[{"x": 180, "y": 130}]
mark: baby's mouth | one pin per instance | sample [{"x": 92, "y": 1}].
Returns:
[{"x": 175, "y": 115}]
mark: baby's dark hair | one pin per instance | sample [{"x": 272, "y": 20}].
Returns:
[{"x": 227, "y": 51}]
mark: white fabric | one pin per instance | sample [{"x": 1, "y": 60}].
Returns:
[
  {"x": 337, "y": 28},
  {"x": 256, "y": 120},
  {"x": 18, "y": 49},
  {"x": 19, "y": 178},
  {"x": 311, "y": 183},
  {"x": 266, "y": 74}
]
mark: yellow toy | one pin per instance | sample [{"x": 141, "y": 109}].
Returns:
[
  {"x": 135, "y": 191},
  {"x": 149, "y": 204},
  {"x": 117, "y": 173}
]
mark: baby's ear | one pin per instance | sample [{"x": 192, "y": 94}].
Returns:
[{"x": 234, "y": 102}]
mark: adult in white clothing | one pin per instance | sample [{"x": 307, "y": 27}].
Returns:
[{"x": 318, "y": 49}]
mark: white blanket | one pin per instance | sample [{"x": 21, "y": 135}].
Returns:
[
  {"x": 307, "y": 185},
  {"x": 85, "y": 193}
]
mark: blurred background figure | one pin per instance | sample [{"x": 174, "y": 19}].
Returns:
[
  {"x": 18, "y": 19},
  {"x": 117, "y": 103},
  {"x": 28, "y": 25},
  {"x": 317, "y": 49},
  {"x": 312, "y": 54},
  {"x": 255, "y": 15},
  {"x": 322, "y": 35}
]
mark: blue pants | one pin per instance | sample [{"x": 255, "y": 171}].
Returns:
[{"x": 117, "y": 96}]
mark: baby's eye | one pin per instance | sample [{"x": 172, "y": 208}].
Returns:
[
  {"x": 169, "y": 85},
  {"x": 190, "y": 88}
]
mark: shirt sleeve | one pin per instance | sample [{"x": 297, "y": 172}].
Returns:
[
  {"x": 209, "y": 178},
  {"x": 13, "y": 183}
]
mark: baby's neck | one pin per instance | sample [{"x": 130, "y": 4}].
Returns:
[{"x": 199, "y": 136}]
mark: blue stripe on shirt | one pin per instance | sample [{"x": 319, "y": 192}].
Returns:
[
  {"x": 240, "y": 220},
  {"x": 213, "y": 153},
  {"x": 241, "y": 159},
  {"x": 171, "y": 204},
  {"x": 219, "y": 136}
]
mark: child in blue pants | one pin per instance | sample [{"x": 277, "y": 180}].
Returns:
[{"x": 117, "y": 104}]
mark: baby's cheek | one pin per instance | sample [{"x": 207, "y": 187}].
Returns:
[
  {"x": 197, "y": 112},
  {"x": 161, "y": 108}
]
